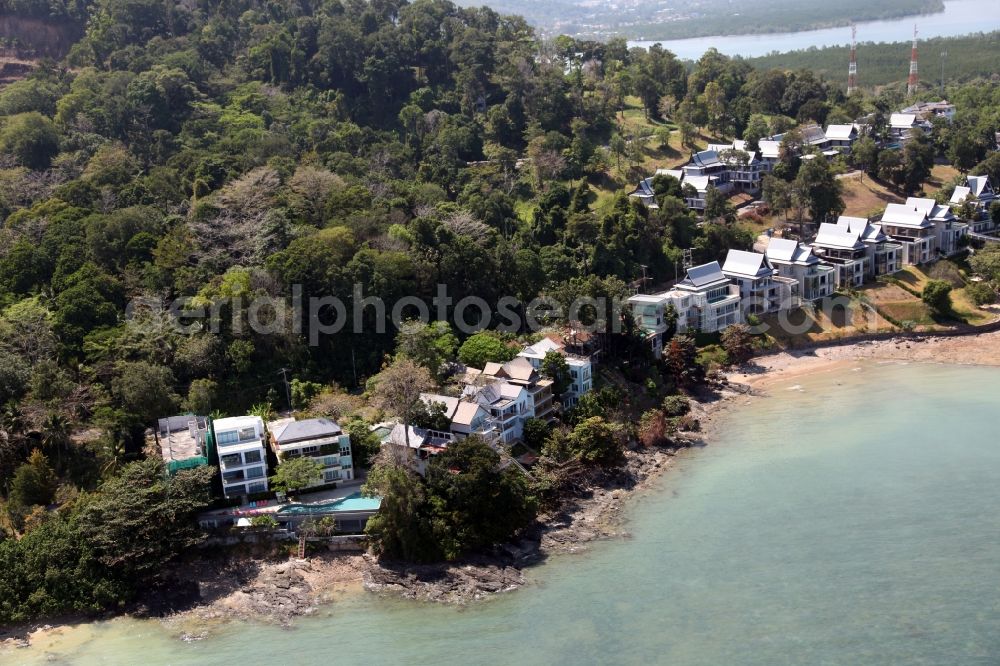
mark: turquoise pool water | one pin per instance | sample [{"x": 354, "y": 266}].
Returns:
[{"x": 355, "y": 502}]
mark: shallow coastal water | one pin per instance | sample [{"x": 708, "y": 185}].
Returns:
[{"x": 849, "y": 518}]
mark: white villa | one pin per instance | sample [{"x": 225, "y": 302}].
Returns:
[
  {"x": 761, "y": 289},
  {"x": 242, "y": 458},
  {"x": 795, "y": 260},
  {"x": 581, "y": 368},
  {"x": 320, "y": 439},
  {"x": 982, "y": 196},
  {"x": 841, "y": 137},
  {"x": 948, "y": 230},
  {"x": 706, "y": 300}
]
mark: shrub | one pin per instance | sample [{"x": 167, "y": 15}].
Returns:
[{"x": 981, "y": 293}]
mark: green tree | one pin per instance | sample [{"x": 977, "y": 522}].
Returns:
[
  {"x": 402, "y": 527},
  {"x": 297, "y": 473},
  {"x": 937, "y": 296},
  {"x": 476, "y": 503},
  {"x": 556, "y": 368},
  {"x": 485, "y": 347},
  {"x": 143, "y": 518},
  {"x": 30, "y": 138},
  {"x": 34, "y": 483},
  {"x": 398, "y": 387},
  {"x": 430, "y": 345},
  {"x": 594, "y": 441}
]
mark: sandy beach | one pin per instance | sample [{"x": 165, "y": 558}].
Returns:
[{"x": 981, "y": 349}]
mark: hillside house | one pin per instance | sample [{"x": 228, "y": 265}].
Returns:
[
  {"x": 883, "y": 254},
  {"x": 183, "y": 441},
  {"x": 796, "y": 260},
  {"x": 242, "y": 457},
  {"x": 948, "y": 230},
  {"x": 979, "y": 192},
  {"x": 322, "y": 440},
  {"x": 844, "y": 251},
  {"x": 706, "y": 300},
  {"x": 761, "y": 289},
  {"x": 581, "y": 367},
  {"x": 909, "y": 226}
]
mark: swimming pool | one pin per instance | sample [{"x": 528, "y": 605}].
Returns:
[{"x": 355, "y": 502}]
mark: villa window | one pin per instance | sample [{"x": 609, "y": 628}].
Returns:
[
  {"x": 231, "y": 460},
  {"x": 251, "y": 457},
  {"x": 255, "y": 473},
  {"x": 228, "y": 437},
  {"x": 248, "y": 433},
  {"x": 236, "y": 490},
  {"x": 258, "y": 487},
  {"x": 345, "y": 449},
  {"x": 331, "y": 475}
]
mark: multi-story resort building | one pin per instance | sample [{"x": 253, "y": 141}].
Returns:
[
  {"x": 322, "y": 440},
  {"x": 581, "y": 367},
  {"x": 980, "y": 194},
  {"x": 845, "y": 252},
  {"x": 798, "y": 261},
  {"x": 761, "y": 289},
  {"x": 948, "y": 230},
  {"x": 242, "y": 457},
  {"x": 706, "y": 300}
]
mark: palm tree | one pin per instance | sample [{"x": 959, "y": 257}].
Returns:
[{"x": 55, "y": 436}]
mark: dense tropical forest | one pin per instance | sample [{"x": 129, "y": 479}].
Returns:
[{"x": 221, "y": 152}]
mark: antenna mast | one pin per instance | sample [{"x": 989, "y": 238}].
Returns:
[
  {"x": 852, "y": 70},
  {"x": 914, "y": 81}
]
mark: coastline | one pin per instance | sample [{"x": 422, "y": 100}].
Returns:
[{"x": 277, "y": 591}]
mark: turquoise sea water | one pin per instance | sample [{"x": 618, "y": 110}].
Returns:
[{"x": 850, "y": 518}]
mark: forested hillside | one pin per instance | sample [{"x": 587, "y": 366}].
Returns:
[
  {"x": 969, "y": 57},
  {"x": 220, "y": 155}
]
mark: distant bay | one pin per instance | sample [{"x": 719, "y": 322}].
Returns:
[{"x": 960, "y": 17}]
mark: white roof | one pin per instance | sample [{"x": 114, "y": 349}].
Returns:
[
  {"x": 699, "y": 183},
  {"x": 932, "y": 208},
  {"x": 840, "y": 132},
  {"x": 960, "y": 195},
  {"x": 978, "y": 183},
  {"x": 830, "y": 235},
  {"x": 748, "y": 264},
  {"x": 787, "y": 250},
  {"x": 905, "y": 216},
  {"x": 769, "y": 149},
  {"x": 238, "y": 422},
  {"x": 542, "y": 347},
  {"x": 860, "y": 226},
  {"x": 705, "y": 274},
  {"x": 902, "y": 120}
]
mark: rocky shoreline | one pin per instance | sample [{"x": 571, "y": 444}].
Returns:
[{"x": 267, "y": 586}]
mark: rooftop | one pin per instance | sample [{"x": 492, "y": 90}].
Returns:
[
  {"x": 791, "y": 251},
  {"x": 747, "y": 264},
  {"x": 308, "y": 429},
  {"x": 181, "y": 437}
]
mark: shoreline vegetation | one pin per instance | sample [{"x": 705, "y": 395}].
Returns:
[{"x": 252, "y": 589}]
